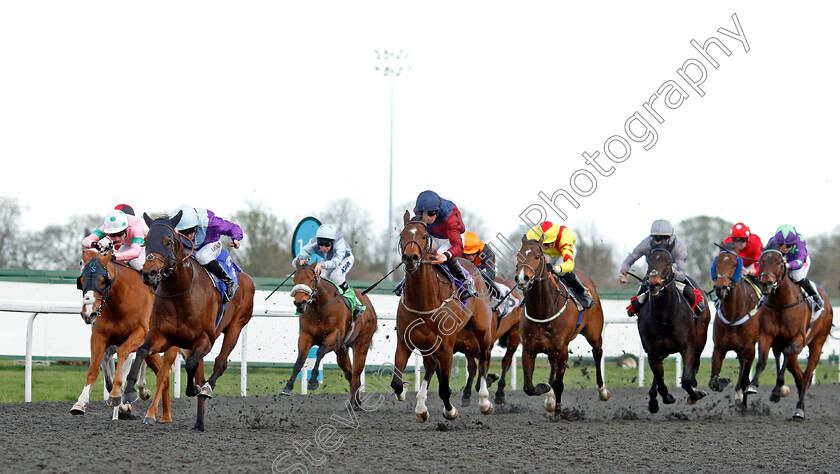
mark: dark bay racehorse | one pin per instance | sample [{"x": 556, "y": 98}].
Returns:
[
  {"x": 326, "y": 322},
  {"x": 430, "y": 316},
  {"x": 737, "y": 323},
  {"x": 184, "y": 315},
  {"x": 551, "y": 321},
  {"x": 786, "y": 327},
  {"x": 506, "y": 332},
  {"x": 668, "y": 325},
  {"x": 118, "y": 306}
]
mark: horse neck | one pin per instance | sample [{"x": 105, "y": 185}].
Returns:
[
  {"x": 543, "y": 294},
  {"x": 667, "y": 296},
  {"x": 181, "y": 277},
  {"x": 737, "y": 302},
  {"x": 786, "y": 293},
  {"x": 325, "y": 294},
  {"x": 422, "y": 289}
]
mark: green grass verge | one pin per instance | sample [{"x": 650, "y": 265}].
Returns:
[{"x": 65, "y": 382}]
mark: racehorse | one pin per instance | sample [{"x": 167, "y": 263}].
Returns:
[
  {"x": 737, "y": 323},
  {"x": 786, "y": 325},
  {"x": 186, "y": 314},
  {"x": 551, "y": 321},
  {"x": 668, "y": 325},
  {"x": 430, "y": 316},
  {"x": 506, "y": 332},
  {"x": 118, "y": 306},
  {"x": 327, "y": 322}
]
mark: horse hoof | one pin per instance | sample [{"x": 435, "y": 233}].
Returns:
[
  {"x": 192, "y": 390},
  {"x": 653, "y": 406},
  {"x": 785, "y": 390},
  {"x": 145, "y": 393},
  {"x": 115, "y": 401},
  {"x": 668, "y": 399},
  {"x": 500, "y": 399},
  {"x": 604, "y": 394},
  {"x": 206, "y": 391},
  {"x": 700, "y": 394},
  {"x": 421, "y": 417},
  {"x": 129, "y": 396},
  {"x": 285, "y": 392},
  {"x": 312, "y": 385},
  {"x": 147, "y": 420},
  {"x": 125, "y": 408},
  {"x": 77, "y": 410},
  {"x": 465, "y": 402},
  {"x": 450, "y": 415},
  {"x": 491, "y": 379},
  {"x": 166, "y": 419},
  {"x": 487, "y": 410},
  {"x": 799, "y": 414},
  {"x": 198, "y": 427},
  {"x": 775, "y": 397},
  {"x": 542, "y": 389},
  {"x": 751, "y": 390}
]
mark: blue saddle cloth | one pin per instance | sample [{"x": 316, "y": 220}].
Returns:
[{"x": 233, "y": 272}]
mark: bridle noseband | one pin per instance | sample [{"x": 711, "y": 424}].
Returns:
[
  {"x": 776, "y": 279},
  {"x": 543, "y": 270},
  {"x": 169, "y": 263},
  {"x": 87, "y": 282},
  {"x": 424, "y": 249},
  {"x": 310, "y": 292},
  {"x": 667, "y": 279}
]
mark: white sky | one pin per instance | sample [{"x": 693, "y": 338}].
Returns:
[{"x": 218, "y": 104}]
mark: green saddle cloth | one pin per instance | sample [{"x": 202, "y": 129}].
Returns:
[{"x": 349, "y": 296}]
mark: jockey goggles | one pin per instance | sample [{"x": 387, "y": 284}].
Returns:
[
  {"x": 431, "y": 213},
  {"x": 660, "y": 238},
  {"x": 325, "y": 243},
  {"x": 118, "y": 234}
]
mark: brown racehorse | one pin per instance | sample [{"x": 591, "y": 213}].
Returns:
[
  {"x": 326, "y": 322},
  {"x": 185, "y": 313},
  {"x": 668, "y": 325},
  {"x": 506, "y": 332},
  {"x": 737, "y": 323},
  {"x": 118, "y": 306},
  {"x": 430, "y": 316},
  {"x": 786, "y": 326},
  {"x": 551, "y": 321}
]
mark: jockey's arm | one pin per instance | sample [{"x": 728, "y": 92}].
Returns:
[
  {"x": 133, "y": 251},
  {"x": 88, "y": 241}
]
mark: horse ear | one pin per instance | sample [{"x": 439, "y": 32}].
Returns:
[
  {"x": 175, "y": 220},
  {"x": 406, "y": 217},
  {"x": 524, "y": 238},
  {"x": 147, "y": 219},
  {"x": 542, "y": 237}
]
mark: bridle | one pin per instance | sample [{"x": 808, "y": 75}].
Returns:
[
  {"x": 729, "y": 278},
  {"x": 667, "y": 278},
  {"x": 307, "y": 290},
  {"x": 87, "y": 283},
  {"x": 776, "y": 280},
  {"x": 425, "y": 248},
  {"x": 539, "y": 274},
  {"x": 169, "y": 262}
]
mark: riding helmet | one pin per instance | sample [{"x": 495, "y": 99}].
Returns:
[
  {"x": 786, "y": 234},
  {"x": 189, "y": 218},
  {"x": 428, "y": 201},
  {"x": 115, "y": 222},
  {"x": 662, "y": 227},
  {"x": 326, "y": 231}
]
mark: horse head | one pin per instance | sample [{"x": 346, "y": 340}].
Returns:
[
  {"x": 95, "y": 283},
  {"x": 728, "y": 267},
  {"x": 773, "y": 269},
  {"x": 530, "y": 263},
  {"x": 415, "y": 242},
  {"x": 306, "y": 285},
  {"x": 163, "y": 248},
  {"x": 660, "y": 272}
]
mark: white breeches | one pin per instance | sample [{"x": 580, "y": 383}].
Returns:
[
  {"x": 339, "y": 274},
  {"x": 208, "y": 253},
  {"x": 802, "y": 272}
]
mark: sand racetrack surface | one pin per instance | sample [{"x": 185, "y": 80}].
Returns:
[{"x": 261, "y": 434}]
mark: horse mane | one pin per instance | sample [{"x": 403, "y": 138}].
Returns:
[
  {"x": 730, "y": 246},
  {"x": 772, "y": 246}
]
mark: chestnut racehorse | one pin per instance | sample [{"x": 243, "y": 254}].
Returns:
[
  {"x": 184, "y": 315},
  {"x": 506, "y": 332},
  {"x": 118, "y": 306},
  {"x": 430, "y": 316},
  {"x": 736, "y": 326},
  {"x": 551, "y": 321},
  {"x": 326, "y": 321},
  {"x": 786, "y": 326},
  {"x": 668, "y": 325}
]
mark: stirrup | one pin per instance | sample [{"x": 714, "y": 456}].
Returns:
[{"x": 360, "y": 308}]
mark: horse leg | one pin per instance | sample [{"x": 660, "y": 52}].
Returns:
[
  {"x": 400, "y": 361},
  {"x": 792, "y": 363},
  {"x": 323, "y": 350},
  {"x": 97, "y": 349},
  {"x": 764, "y": 342},
  {"x": 557, "y": 386},
  {"x": 421, "y": 412},
  {"x": 528, "y": 359},
  {"x": 200, "y": 349},
  {"x": 108, "y": 367},
  {"x": 659, "y": 386},
  {"x": 716, "y": 382},
  {"x": 596, "y": 342},
  {"x": 506, "y": 361},
  {"x": 304, "y": 344},
  {"x": 359, "y": 357},
  {"x": 443, "y": 370},
  {"x": 135, "y": 339},
  {"x": 780, "y": 390},
  {"x": 161, "y": 386},
  {"x": 155, "y": 342},
  {"x": 472, "y": 369},
  {"x": 689, "y": 381},
  {"x": 220, "y": 364}
]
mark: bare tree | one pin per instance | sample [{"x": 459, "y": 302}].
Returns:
[
  {"x": 266, "y": 249},
  {"x": 824, "y": 250},
  {"x": 356, "y": 226},
  {"x": 700, "y": 234},
  {"x": 58, "y": 247},
  {"x": 10, "y": 212}
]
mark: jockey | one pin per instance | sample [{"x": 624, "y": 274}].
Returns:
[
  {"x": 662, "y": 236},
  {"x": 444, "y": 224},
  {"x": 747, "y": 245},
  {"x": 201, "y": 230},
  {"x": 330, "y": 245},
  {"x": 128, "y": 233},
  {"x": 559, "y": 241},
  {"x": 792, "y": 246},
  {"x": 483, "y": 257}
]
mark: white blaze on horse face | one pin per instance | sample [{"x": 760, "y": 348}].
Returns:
[
  {"x": 420, "y": 408},
  {"x": 87, "y": 300}
]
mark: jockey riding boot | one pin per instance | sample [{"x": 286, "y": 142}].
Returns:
[
  {"x": 458, "y": 272},
  {"x": 580, "y": 288},
  {"x": 811, "y": 289},
  {"x": 695, "y": 297},
  {"x": 399, "y": 288},
  {"x": 360, "y": 308},
  {"x": 222, "y": 275},
  {"x": 637, "y": 301}
]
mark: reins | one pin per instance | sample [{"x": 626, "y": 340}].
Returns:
[{"x": 546, "y": 274}]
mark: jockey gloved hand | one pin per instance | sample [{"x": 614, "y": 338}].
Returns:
[
  {"x": 234, "y": 243},
  {"x": 622, "y": 278},
  {"x": 439, "y": 258}
]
